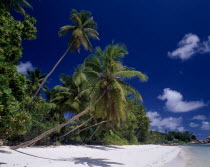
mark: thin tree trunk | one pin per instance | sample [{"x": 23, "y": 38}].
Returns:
[
  {"x": 27, "y": 143},
  {"x": 94, "y": 132},
  {"x": 77, "y": 127},
  {"x": 47, "y": 76},
  {"x": 92, "y": 126}
]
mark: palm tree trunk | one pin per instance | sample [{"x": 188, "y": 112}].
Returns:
[
  {"x": 53, "y": 69},
  {"x": 77, "y": 127},
  {"x": 27, "y": 143},
  {"x": 92, "y": 126},
  {"x": 94, "y": 133}
]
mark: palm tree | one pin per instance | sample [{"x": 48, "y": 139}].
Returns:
[
  {"x": 71, "y": 96},
  {"x": 16, "y": 5},
  {"x": 106, "y": 75},
  {"x": 34, "y": 80},
  {"x": 84, "y": 28}
]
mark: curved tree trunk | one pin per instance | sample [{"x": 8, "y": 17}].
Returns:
[
  {"x": 94, "y": 133},
  {"x": 27, "y": 143},
  {"x": 92, "y": 126},
  {"x": 47, "y": 76}
]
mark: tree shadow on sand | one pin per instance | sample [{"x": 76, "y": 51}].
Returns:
[
  {"x": 104, "y": 148},
  {"x": 2, "y": 163},
  {"x": 91, "y": 162},
  {"x": 5, "y": 152},
  {"x": 39, "y": 156}
]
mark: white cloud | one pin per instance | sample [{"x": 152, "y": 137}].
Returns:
[
  {"x": 193, "y": 125},
  {"x": 205, "y": 46},
  {"x": 205, "y": 125},
  {"x": 199, "y": 117},
  {"x": 189, "y": 46},
  {"x": 162, "y": 124},
  {"x": 175, "y": 102},
  {"x": 181, "y": 129},
  {"x": 24, "y": 67}
]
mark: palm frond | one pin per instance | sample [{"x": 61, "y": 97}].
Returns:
[
  {"x": 119, "y": 88},
  {"x": 25, "y": 4},
  {"x": 93, "y": 63},
  {"x": 17, "y": 8},
  {"x": 131, "y": 89},
  {"x": 131, "y": 74},
  {"x": 66, "y": 29},
  {"x": 76, "y": 20},
  {"x": 91, "y": 33},
  {"x": 89, "y": 20},
  {"x": 91, "y": 73}
]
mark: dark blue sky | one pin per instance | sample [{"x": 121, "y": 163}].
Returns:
[{"x": 150, "y": 29}]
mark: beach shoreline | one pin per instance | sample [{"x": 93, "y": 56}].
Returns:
[{"x": 89, "y": 156}]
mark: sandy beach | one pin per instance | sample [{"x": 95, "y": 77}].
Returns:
[{"x": 89, "y": 156}]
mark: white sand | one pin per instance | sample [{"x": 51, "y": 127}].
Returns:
[{"x": 89, "y": 156}]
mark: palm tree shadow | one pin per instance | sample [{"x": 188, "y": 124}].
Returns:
[
  {"x": 2, "y": 163},
  {"x": 105, "y": 148},
  {"x": 39, "y": 156},
  {"x": 5, "y": 152},
  {"x": 91, "y": 162}
]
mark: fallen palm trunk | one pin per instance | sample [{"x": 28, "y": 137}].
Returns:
[
  {"x": 50, "y": 131},
  {"x": 27, "y": 143}
]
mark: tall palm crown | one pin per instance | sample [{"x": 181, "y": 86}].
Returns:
[
  {"x": 34, "y": 80},
  {"x": 84, "y": 28},
  {"x": 107, "y": 74},
  {"x": 16, "y": 5}
]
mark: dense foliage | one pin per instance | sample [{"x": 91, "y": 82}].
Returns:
[
  {"x": 13, "y": 85},
  {"x": 170, "y": 137},
  {"x": 19, "y": 115}
]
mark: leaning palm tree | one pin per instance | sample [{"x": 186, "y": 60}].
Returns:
[
  {"x": 106, "y": 75},
  {"x": 84, "y": 28},
  {"x": 16, "y": 5}
]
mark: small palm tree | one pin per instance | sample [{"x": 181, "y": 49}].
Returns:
[
  {"x": 71, "y": 96},
  {"x": 34, "y": 80},
  {"x": 108, "y": 78},
  {"x": 16, "y": 5},
  {"x": 84, "y": 28}
]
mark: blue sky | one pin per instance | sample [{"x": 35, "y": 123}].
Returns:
[{"x": 167, "y": 39}]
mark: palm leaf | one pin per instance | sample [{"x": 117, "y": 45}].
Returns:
[
  {"x": 76, "y": 20},
  {"x": 25, "y": 4},
  {"x": 131, "y": 74},
  {"x": 131, "y": 89},
  {"x": 66, "y": 29}
]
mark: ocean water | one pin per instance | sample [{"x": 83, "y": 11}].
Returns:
[{"x": 192, "y": 156}]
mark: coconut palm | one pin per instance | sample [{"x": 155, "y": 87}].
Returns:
[
  {"x": 84, "y": 28},
  {"x": 16, "y": 5},
  {"x": 71, "y": 96},
  {"x": 106, "y": 75},
  {"x": 34, "y": 80}
]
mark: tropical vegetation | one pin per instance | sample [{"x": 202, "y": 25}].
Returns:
[{"x": 95, "y": 104}]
